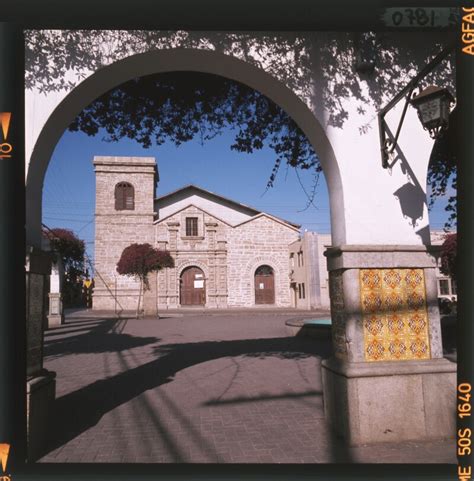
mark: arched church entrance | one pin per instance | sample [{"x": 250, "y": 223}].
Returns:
[
  {"x": 264, "y": 285},
  {"x": 192, "y": 287}
]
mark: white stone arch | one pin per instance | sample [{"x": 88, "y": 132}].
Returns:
[
  {"x": 179, "y": 59},
  {"x": 267, "y": 260},
  {"x": 191, "y": 263}
]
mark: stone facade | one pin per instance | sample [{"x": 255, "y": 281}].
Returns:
[
  {"x": 115, "y": 230},
  {"x": 232, "y": 241}
]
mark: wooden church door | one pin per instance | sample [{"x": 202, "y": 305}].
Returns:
[
  {"x": 193, "y": 289},
  {"x": 264, "y": 285}
]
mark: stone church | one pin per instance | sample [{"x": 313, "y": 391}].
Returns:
[{"x": 226, "y": 254}]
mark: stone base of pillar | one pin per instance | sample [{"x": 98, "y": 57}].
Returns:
[
  {"x": 56, "y": 314},
  {"x": 149, "y": 309},
  {"x": 55, "y": 320},
  {"x": 368, "y": 402},
  {"x": 40, "y": 393}
]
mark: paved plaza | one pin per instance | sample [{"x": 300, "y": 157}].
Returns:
[{"x": 195, "y": 387}]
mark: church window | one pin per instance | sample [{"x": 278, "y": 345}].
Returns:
[
  {"x": 191, "y": 226},
  {"x": 124, "y": 196}
]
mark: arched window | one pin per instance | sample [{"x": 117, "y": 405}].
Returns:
[
  {"x": 124, "y": 196},
  {"x": 264, "y": 271}
]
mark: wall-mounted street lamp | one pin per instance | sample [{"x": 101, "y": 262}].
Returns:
[{"x": 432, "y": 103}]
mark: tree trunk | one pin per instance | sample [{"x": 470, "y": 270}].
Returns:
[
  {"x": 157, "y": 311},
  {"x": 139, "y": 297}
]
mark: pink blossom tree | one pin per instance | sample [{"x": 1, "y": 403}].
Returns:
[{"x": 138, "y": 260}]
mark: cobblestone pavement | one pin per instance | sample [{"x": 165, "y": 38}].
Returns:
[{"x": 225, "y": 387}]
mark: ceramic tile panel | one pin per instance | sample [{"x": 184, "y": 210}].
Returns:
[{"x": 394, "y": 313}]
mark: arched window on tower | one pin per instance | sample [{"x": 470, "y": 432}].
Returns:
[{"x": 124, "y": 196}]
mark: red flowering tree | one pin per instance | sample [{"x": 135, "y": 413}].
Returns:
[
  {"x": 448, "y": 256},
  {"x": 138, "y": 260}
]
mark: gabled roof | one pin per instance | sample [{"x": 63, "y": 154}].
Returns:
[
  {"x": 160, "y": 221},
  {"x": 250, "y": 210},
  {"x": 271, "y": 217}
]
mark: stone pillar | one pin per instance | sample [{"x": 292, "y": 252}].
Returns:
[
  {"x": 56, "y": 312},
  {"x": 211, "y": 282},
  {"x": 221, "y": 276},
  {"x": 173, "y": 280},
  {"x": 162, "y": 280},
  {"x": 387, "y": 380},
  {"x": 41, "y": 384}
]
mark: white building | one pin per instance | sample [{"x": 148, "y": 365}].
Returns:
[{"x": 309, "y": 276}]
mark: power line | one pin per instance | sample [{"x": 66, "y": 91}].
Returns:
[{"x": 80, "y": 221}]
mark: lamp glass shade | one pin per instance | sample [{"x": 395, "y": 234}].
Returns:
[
  {"x": 430, "y": 110},
  {"x": 433, "y": 105}
]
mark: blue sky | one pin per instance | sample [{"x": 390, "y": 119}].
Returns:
[{"x": 69, "y": 187}]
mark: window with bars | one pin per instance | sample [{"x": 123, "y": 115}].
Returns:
[
  {"x": 443, "y": 287},
  {"x": 124, "y": 196},
  {"x": 300, "y": 259},
  {"x": 191, "y": 226},
  {"x": 447, "y": 287}
]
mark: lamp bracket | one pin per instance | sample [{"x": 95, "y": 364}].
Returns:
[{"x": 388, "y": 146}]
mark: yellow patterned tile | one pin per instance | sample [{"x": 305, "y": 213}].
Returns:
[
  {"x": 394, "y": 312},
  {"x": 392, "y": 278},
  {"x": 374, "y": 325},
  {"x": 375, "y": 350},
  {"x": 393, "y": 302},
  {"x": 395, "y": 324},
  {"x": 419, "y": 348},
  {"x": 417, "y": 323},
  {"x": 414, "y": 278},
  {"x": 397, "y": 348},
  {"x": 370, "y": 279},
  {"x": 372, "y": 302}
]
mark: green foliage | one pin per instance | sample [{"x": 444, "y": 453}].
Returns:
[{"x": 180, "y": 106}]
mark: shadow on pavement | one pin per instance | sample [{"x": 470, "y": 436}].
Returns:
[
  {"x": 104, "y": 336},
  {"x": 80, "y": 410}
]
